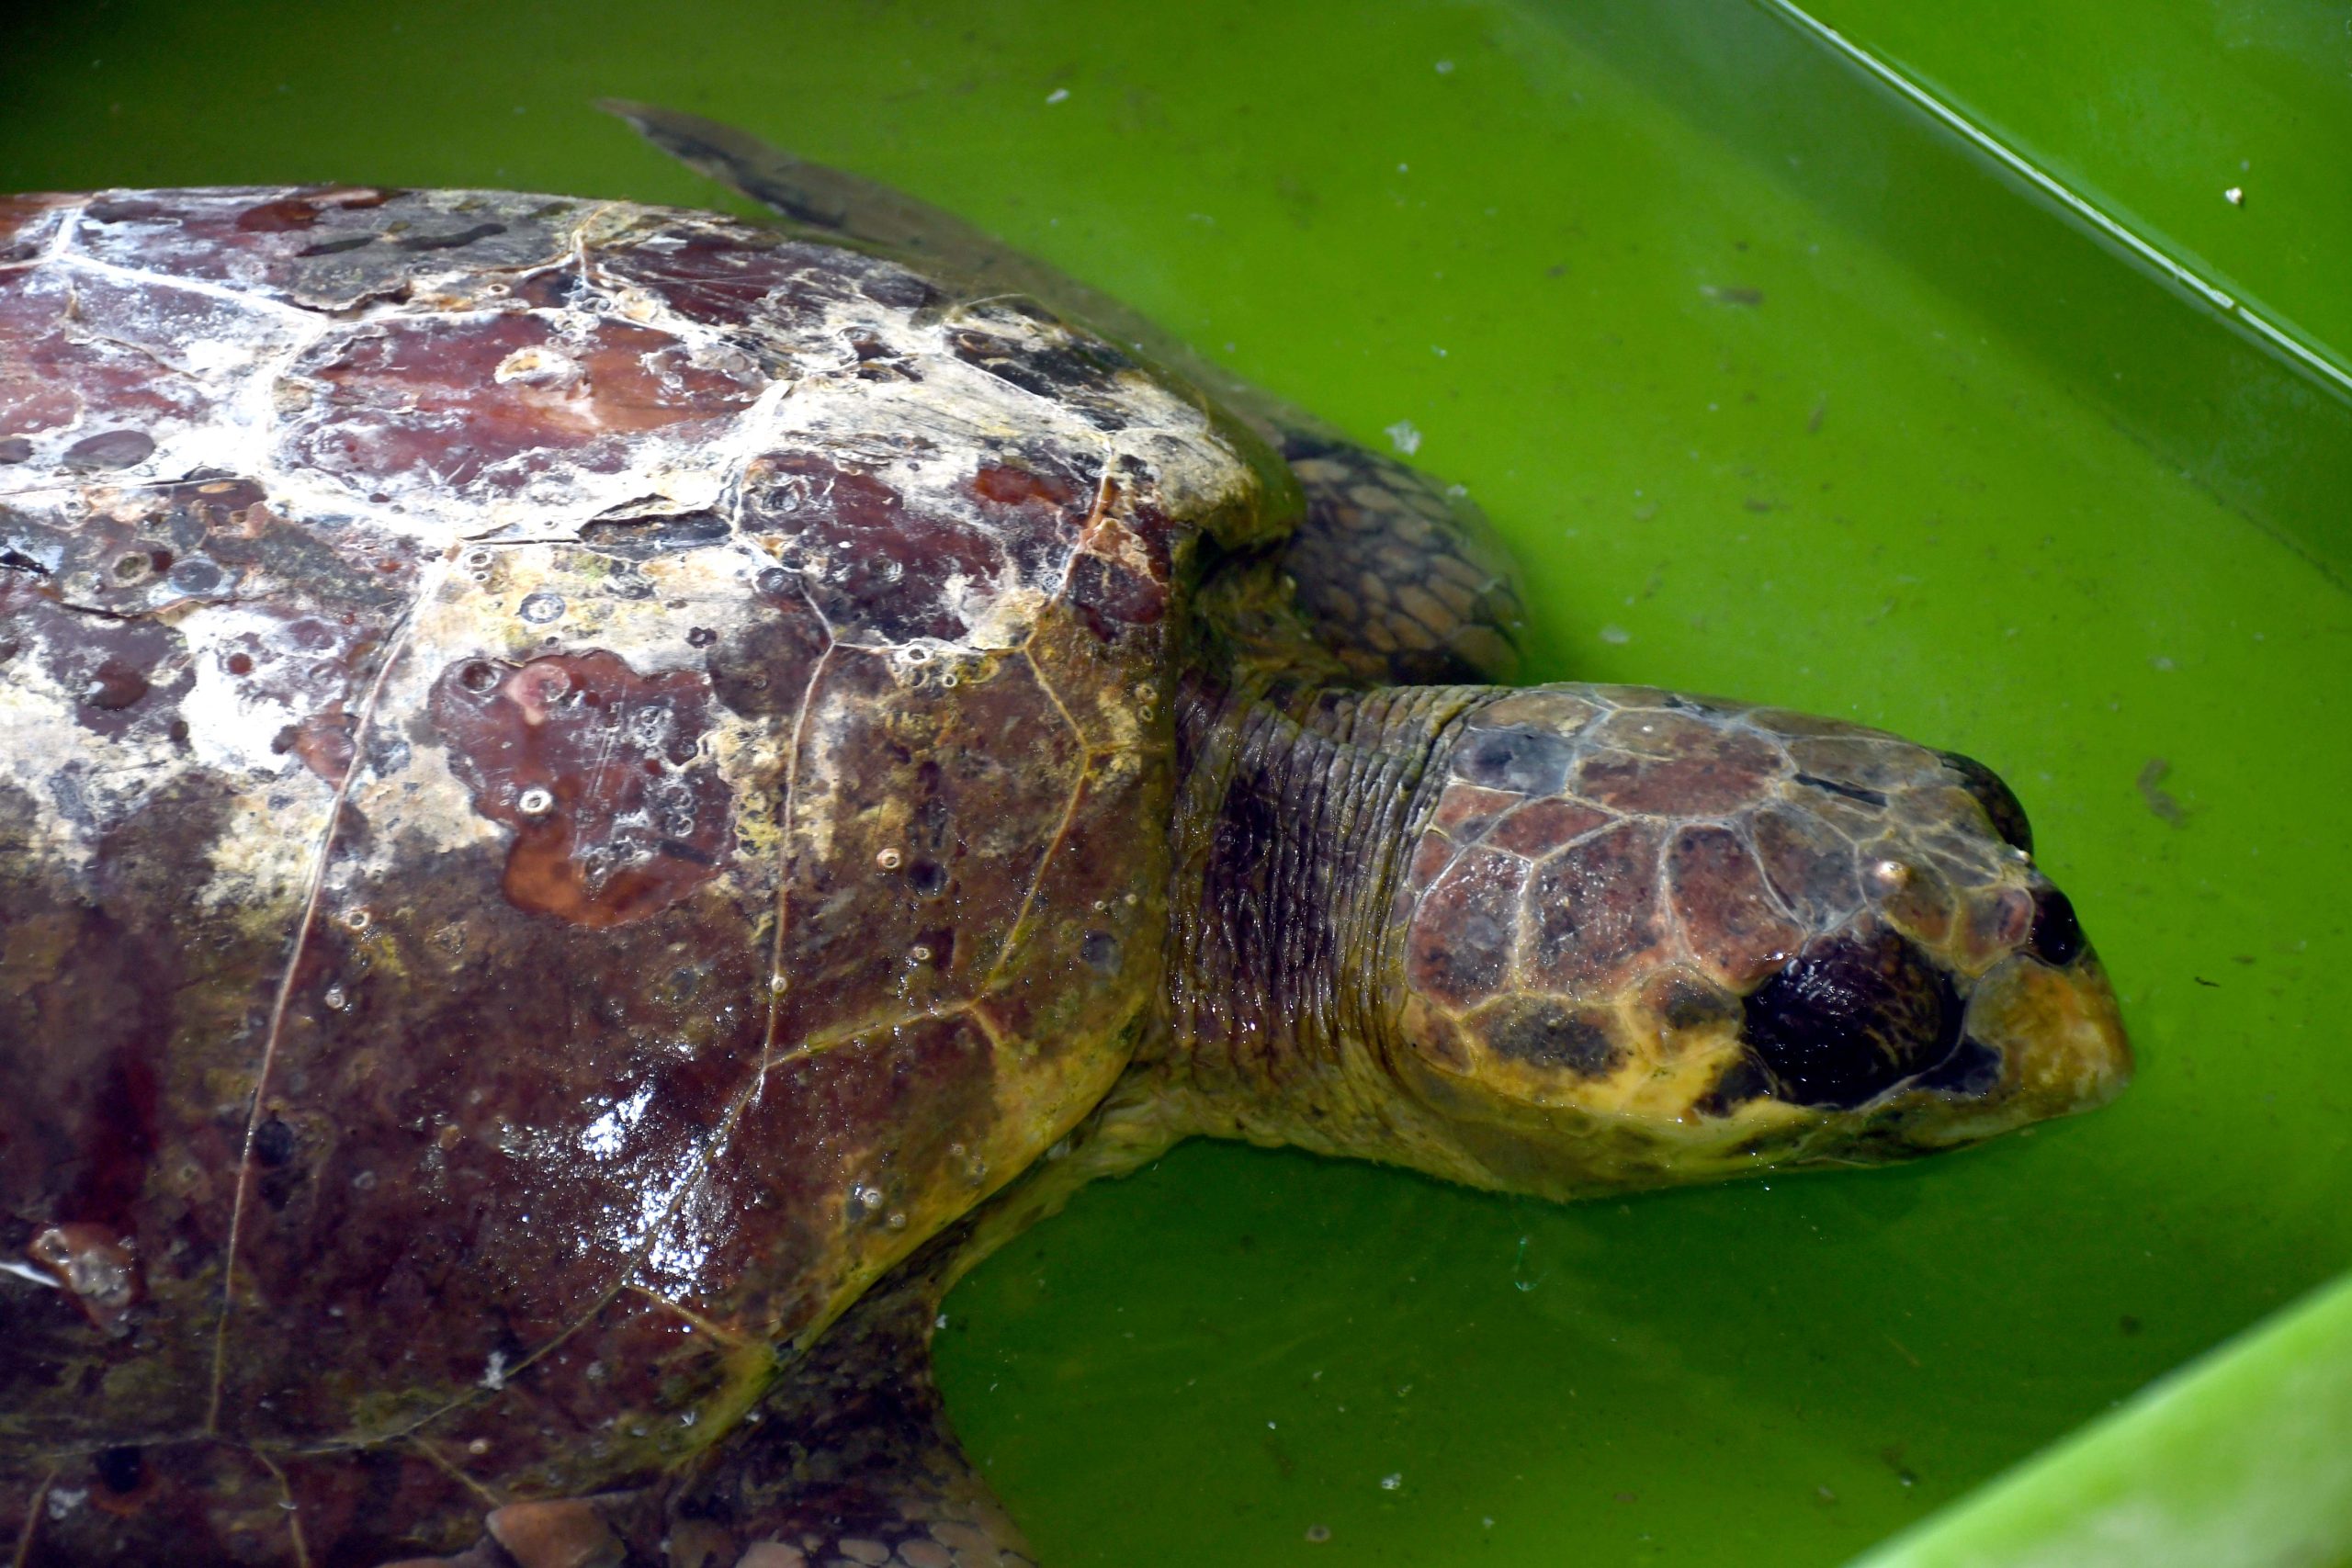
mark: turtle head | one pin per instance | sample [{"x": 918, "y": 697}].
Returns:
[{"x": 1642, "y": 939}]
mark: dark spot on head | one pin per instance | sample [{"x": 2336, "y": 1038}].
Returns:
[
  {"x": 107, "y": 450},
  {"x": 1974, "y": 1068},
  {"x": 701, "y": 636},
  {"x": 1851, "y": 792},
  {"x": 2000, "y": 805},
  {"x": 1528, "y": 761},
  {"x": 1743, "y": 1080},
  {"x": 273, "y": 1142},
  {"x": 120, "y": 1469},
  {"x": 1100, "y": 950},
  {"x": 1851, "y": 1017},
  {"x": 1684, "y": 1002},
  {"x": 1548, "y": 1035},
  {"x": 2057, "y": 937}
]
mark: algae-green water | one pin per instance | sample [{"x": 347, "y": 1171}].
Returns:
[{"x": 1780, "y": 395}]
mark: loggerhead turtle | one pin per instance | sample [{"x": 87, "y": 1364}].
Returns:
[{"x": 597, "y": 800}]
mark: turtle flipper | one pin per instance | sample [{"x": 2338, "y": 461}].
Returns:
[
  {"x": 1402, "y": 577},
  {"x": 851, "y": 1460},
  {"x": 845, "y": 207},
  {"x": 821, "y": 198}
]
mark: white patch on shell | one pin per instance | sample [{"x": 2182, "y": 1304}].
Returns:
[
  {"x": 232, "y": 349},
  {"x": 82, "y": 783}
]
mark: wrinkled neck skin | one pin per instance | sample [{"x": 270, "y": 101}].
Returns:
[{"x": 1294, "y": 813}]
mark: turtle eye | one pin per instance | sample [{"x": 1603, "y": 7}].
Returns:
[
  {"x": 1851, "y": 1018},
  {"x": 2057, "y": 936},
  {"x": 2000, "y": 805}
]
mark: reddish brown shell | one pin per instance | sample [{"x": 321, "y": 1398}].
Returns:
[{"x": 574, "y": 780}]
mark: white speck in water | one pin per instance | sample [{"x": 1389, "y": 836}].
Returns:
[
  {"x": 2161, "y": 661},
  {"x": 1439, "y": 351},
  {"x": 336, "y": 998},
  {"x": 1405, "y": 437},
  {"x": 2234, "y": 196},
  {"x": 62, "y": 1500},
  {"x": 1489, "y": 1522},
  {"x": 1403, "y": 168},
  {"x": 940, "y": 1322},
  {"x": 1615, "y": 636},
  {"x": 479, "y": 1447},
  {"x": 1445, "y": 68},
  {"x": 1058, "y": 95},
  {"x": 493, "y": 1376},
  {"x": 1391, "y": 1481},
  {"x": 1318, "y": 1534}
]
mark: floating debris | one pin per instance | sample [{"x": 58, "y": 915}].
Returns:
[{"x": 2159, "y": 799}]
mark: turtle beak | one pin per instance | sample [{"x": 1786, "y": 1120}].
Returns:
[{"x": 2061, "y": 1042}]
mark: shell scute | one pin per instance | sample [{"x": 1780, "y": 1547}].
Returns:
[
  {"x": 1596, "y": 911},
  {"x": 485, "y": 405},
  {"x": 970, "y": 779}
]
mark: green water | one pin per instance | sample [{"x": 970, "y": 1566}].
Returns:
[
  {"x": 2160, "y": 111},
  {"x": 1779, "y": 399}
]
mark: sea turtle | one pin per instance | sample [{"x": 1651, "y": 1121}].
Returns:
[{"x": 595, "y": 800}]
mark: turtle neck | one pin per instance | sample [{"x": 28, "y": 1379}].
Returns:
[{"x": 1294, "y": 817}]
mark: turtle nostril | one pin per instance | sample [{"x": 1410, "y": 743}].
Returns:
[{"x": 2057, "y": 937}]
